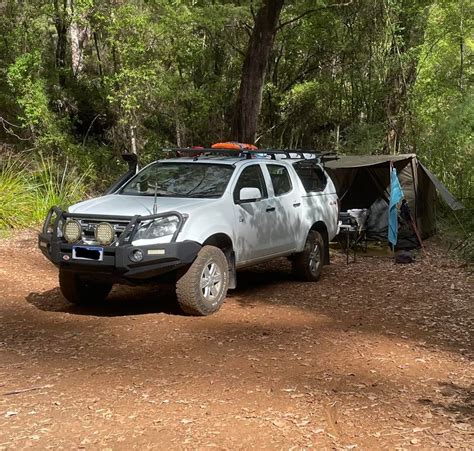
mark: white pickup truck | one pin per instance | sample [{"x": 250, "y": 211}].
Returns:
[{"x": 195, "y": 221}]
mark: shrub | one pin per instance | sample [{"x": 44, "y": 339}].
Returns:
[
  {"x": 56, "y": 186},
  {"x": 16, "y": 194},
  {"x": 28, "y": 191}
]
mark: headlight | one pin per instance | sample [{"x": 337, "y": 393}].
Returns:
[
  {"x": 157, "y": 228},
  {"x": 72, "y": 230}
]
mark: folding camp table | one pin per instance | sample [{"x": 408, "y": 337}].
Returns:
[
  {"x": 352, "y": 231},
  {"x": 352, "y": 238}
]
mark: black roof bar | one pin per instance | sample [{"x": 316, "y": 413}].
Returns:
[{"x": 245, "y": 153}]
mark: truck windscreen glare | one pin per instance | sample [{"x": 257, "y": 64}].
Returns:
[{"x": 180, "y": 180}]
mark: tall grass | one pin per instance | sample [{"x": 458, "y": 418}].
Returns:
[
  {"x": 457, "y": 231},
  {"x": 57, "y": 186},
  {"x": 28, "y": 191},
  {"x": 17, "y": 194}
]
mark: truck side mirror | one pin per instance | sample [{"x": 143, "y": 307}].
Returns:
[
  {"x": 249, "y": 195},
  {"x": 132, "y": 160}
]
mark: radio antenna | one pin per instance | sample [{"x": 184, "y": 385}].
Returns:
[{"x": 155, "y": 204}]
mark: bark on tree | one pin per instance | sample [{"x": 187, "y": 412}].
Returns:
[
  {"x": 249, "y": 100},
  {"x": 402, "y": 76},
  {"x": 99, "y": 58},
  {"x": 61, "y": 24},
  {"x": 79, "y": 35}
]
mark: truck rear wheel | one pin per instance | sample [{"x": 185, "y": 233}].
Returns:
[
  {"x": 81, "y": 290},
  {"x": 308, "y": 265},
  {"x": 202, "y": 289}
]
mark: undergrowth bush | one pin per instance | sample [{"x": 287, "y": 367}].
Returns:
[
  {"x": 56, "y": 186},
  {"x": 17, "y": 194},
  {"x": 456, "y": 230},
  {"x": 29, "y": 190}
]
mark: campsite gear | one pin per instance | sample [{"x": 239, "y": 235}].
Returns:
[
  {"x": 404, "y": 257},
  {"x": 352, "y": 231},
  {"x": 363, "y": 182},
  {"x": 347, "y": 219},
  {"x": 360, "y": 215},
  {"x": 396, "y": 195},
  {"x": 405, "y": 213},
  {"x": 232, "y": 145}
]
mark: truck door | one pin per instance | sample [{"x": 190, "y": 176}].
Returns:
[
  {"x": 285, "y": 198},
  {"x": 253, "y": 219}
]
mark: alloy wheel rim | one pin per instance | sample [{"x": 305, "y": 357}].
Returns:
[
  {"x": 314, "y": 258},
  {"x": 211, "y": 282}
]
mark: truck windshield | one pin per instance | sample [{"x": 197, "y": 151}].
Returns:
[{"x": 180, "y": 180}]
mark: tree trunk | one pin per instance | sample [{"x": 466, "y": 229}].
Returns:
[
  {"x": 461, "y": 50},
  {"x": 402, "y": 75},
  {"x": 249, "y": 100},
  {"x": 99, "y": 59},
  {"x": 133, "y": 139},
  {"x": 61, "y": 24},
  {"x": 74, "y": 35}
]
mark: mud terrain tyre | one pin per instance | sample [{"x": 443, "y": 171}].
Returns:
[
  {"x": 201, "y": 290},
  {"x": 308, "y": 265},
  {"x": 81, "y": 291}
]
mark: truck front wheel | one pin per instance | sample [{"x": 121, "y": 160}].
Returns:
[
  {"x": 201, "y": 290},
  {"x": 308, "y": 265},
  {"x": 81, "y": 290}
]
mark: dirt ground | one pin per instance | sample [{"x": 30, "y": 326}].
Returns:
[{"x": 375, "y": 355}]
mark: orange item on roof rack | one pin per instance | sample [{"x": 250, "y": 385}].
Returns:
[{"x": 234, "y": 146}]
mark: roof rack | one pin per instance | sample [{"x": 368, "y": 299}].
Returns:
[{"x": 260, "y": 153}]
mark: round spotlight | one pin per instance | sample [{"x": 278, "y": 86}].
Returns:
[
  {"x": 136, "y": 255},
  {"x": 104, "y": 233},
  {"x": 72, "y": 230}
]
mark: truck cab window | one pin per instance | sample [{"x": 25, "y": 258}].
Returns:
[
  {"x": 311, "y": 175},
  {"x": 280, "y": 179},
  {"x": 251, "y": 177}
]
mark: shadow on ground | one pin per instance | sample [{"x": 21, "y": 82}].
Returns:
[
  {"x": 125, "y": 300},
  {"x": 421, "y": 301},
  {"x": 122, "y": 301},
  {"x": 457, "y": 400},
  {"x": 415, "y": 301}
]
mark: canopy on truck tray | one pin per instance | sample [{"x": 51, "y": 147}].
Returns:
[{"x": 364, "y": 182}]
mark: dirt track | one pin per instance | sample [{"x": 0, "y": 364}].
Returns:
[{"x": 374, "y": 355}]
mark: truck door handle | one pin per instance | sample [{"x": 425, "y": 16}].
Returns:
[
  {"x": 270, "y": 209},
  {"x": 296, "y": 204}
]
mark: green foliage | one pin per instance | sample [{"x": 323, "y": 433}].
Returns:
[
  {"x": 17, "y": 194},
  {"x": 362, "y": 77},
  {"x": 457, "y": 231},
  {"x": 447, "y": 146},
  {"x": 30, "y": 89},
  {"x": 28, "y": 191},
  {"x": 443, "y": 99},
  {"x": 364, "y": 139},
  {"x": 56, "y": 185}
]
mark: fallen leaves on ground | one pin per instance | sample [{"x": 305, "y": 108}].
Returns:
[{"x": 374, "y": 355}]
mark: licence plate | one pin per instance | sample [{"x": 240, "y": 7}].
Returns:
[{"x": 88, "y": 253}]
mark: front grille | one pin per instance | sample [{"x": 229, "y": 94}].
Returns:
[{"x": 88, "y": 228}]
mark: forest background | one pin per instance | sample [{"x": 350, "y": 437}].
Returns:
[{"x": 83, "y": 80}]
